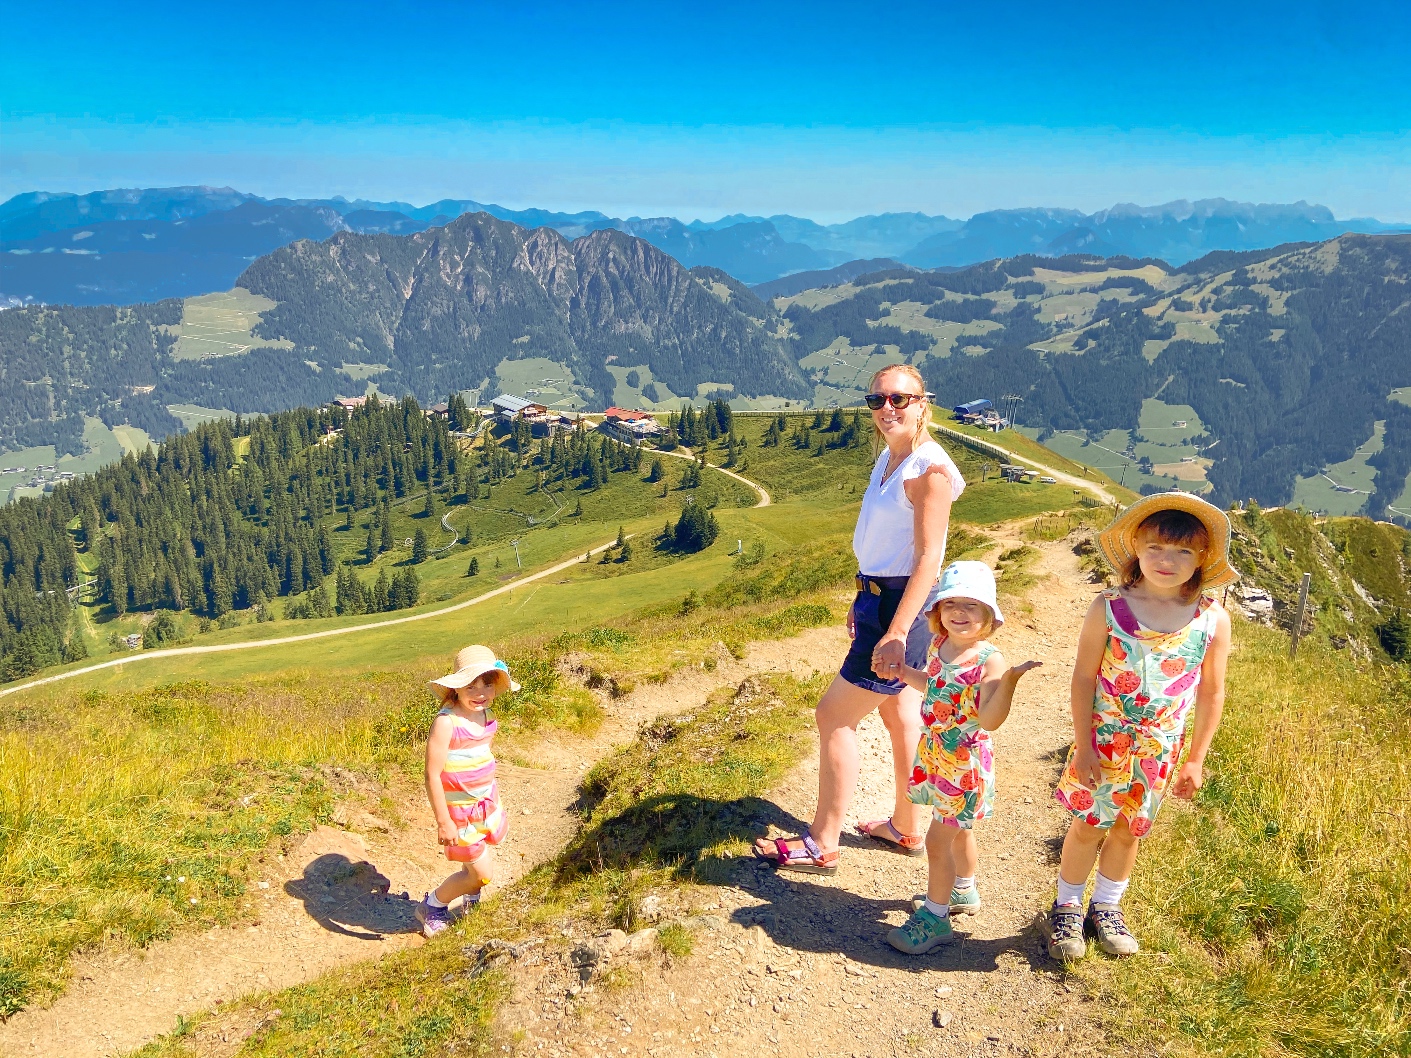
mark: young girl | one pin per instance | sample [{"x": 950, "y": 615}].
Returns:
[
  {"x": 460, "y": 780},
  {"x": 1150, "y": 651},
  {"x": 968, "y": 689}
]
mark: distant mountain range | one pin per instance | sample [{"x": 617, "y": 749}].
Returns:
[
  {"x": 126, "y": 246},
  {"x": 1282, "y": 374}
]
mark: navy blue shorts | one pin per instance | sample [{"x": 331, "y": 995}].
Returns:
[{"x": 871, "y": 615}]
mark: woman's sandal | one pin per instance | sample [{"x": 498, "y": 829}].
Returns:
[
  {"x": 906, "y": 844},
  {"x": 809, "y": 859}
]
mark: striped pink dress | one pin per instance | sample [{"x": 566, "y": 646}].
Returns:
[{"x": 472, "y": 795}]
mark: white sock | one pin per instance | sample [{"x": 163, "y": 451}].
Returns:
[
  {"x": 965, "y": 883},
  {"x": 939, "y": 910},
  {"x": 1070, "y": 893},
  {"x": 432, "y": 899},
  {"x": 1106, "y": 891}
]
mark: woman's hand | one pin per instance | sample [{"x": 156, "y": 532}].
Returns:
[
  {"x": 852, "y": 623},
  {"x": 889, "y": 656},
  {"x": 1088, "y": 765},
  {"x": 1188, "y": 780},
  {"x": 446, "y": 832}
]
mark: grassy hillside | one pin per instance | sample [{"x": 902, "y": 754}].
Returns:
[{"x": 193, "y": 767}]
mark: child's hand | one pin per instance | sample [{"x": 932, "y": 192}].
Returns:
[
  {"x": 1024, "y": 666},
  {"x": 1088, "y": 765},
  {"x": 446, "y": 832},
  {"x": 1188, "y": 780}
]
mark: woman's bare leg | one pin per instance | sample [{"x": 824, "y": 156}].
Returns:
[
  {"x": 901, "y": 715},
  {"x": 839, "y": 712}
]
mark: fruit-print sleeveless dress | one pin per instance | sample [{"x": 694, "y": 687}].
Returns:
[
  {"x": 954, "y": 770},
  {"x": 1146, "y": 687},
  {"x": 472, "y": 795}
]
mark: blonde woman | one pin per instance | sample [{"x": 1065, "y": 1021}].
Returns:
[{"x": 899, "y": 542}]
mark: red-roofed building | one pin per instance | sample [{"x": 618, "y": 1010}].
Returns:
[{"x": 629, "y": 427}]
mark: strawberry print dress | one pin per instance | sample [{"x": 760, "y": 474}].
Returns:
[
  {"x": 1146, "y": 687},
  {"x": 954, "y": 770}
]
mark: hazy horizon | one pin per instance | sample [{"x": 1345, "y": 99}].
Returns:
[{"x": 635, "y": 109}]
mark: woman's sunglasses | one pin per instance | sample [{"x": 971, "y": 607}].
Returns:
[{"x": 875, "y": 401}]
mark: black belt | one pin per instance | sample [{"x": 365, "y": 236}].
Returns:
[{"x": 877, "y": 585}]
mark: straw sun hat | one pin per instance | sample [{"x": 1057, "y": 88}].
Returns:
[
  {"x": 470, "y": 663},
  {"x": 1119, "y": 540}
]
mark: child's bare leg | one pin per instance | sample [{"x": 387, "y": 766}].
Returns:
[
  {"x": 1119, "y": 852},
  {"x": 1080, "y": 848},
  {"x": 965, "y": 854},
  {"x": 469, "y": 880},
  {"x": 941, "y": 841}
]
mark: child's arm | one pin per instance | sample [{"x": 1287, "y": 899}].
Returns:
[
  {"x": 997, "y": 689},
  {"x": 438, "y": 744},
  {"x": 915, "y": 678},
  {"x": 1092, "y": 642},
  {"x": 1209, "y": 706}
]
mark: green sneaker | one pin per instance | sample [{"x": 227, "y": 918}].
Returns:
[
  {"x": 965, "y": 901},
  {"x": 922, "y": 932}
]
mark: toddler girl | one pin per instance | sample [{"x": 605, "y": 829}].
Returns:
[
  {"x": 1149, "y": 652},
  {"x": 968, "y": 689},
  {"x": 460, "y": 780}
]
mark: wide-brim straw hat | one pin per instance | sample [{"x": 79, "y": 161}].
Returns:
[
  {"x": 472, "y": 662},
  {"x": 1119, "y": 540},
  {"x": 970, "y": 580}
]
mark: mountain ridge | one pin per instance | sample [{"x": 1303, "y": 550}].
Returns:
[{"x": 754, "y": 249}]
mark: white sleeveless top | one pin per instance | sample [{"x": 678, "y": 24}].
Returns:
[{"x": 885, "y": 539}]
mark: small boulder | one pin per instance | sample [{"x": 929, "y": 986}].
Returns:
[
  {"x": 614, "y": 940},
  {"x": 941, "y": 1018},
  {"x": 643, "y": 942}
]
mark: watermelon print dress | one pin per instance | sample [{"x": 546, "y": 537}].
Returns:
[
  {"x": 472, "y": 795},
  {"x": 954, "y": 770},
  {"x": 1146, "y": 687}
]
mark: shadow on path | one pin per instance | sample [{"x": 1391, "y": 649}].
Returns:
[{"x": 351, "y": 898}]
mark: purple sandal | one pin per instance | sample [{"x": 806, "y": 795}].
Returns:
[{"x": 808, "y": 860}]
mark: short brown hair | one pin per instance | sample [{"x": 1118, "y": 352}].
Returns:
[{"x": 1170, "y": 527}]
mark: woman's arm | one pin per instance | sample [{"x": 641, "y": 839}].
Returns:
[
  {"x": 997, "y": 689},
  {"x": 930, "y": 496},
  {"x": 438, "y": 744},
  {"x": 1092, "y": 643},
  {"x": 1209, "y": 707}
]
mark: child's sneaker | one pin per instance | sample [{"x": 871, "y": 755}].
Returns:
[
  {"x": 1063, "y": 929},
  {"x": 922, "y": 932},
  {"x": 1105, "y": 922},
  {"x": 433, "y": 919},
  {"x": 965, "y": 901}
]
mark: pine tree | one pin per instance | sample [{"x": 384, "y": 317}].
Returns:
[
  {"x": 419, "y": 546},
  {"x": 385, "y": 543},
  {"x": 474, "y": 570}
]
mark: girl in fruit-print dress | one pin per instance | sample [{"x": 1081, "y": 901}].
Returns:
[{"x": 1150, "y": 652}]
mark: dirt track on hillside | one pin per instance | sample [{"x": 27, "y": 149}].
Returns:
[
  {"x": 798, "y": 966},
  {"x": 794, "y": 965}
]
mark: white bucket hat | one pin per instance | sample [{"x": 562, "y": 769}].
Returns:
[
  {"x": 470, "y": 663},
  {"x": 970, "y": 580}
]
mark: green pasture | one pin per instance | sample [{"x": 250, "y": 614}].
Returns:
[
  {"x": 1317, "y": 493},
  {"x": 552, "y": 382},
  {"x": 221, "y": 325},
  {"x": 193, "y": 415},
  {"x": 101, "y": 447}
]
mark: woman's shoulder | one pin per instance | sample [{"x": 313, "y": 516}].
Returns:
[{"x": 929, "y": 456}]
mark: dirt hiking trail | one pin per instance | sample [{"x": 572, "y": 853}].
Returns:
[
  {"x": 799, "y": 966},
  {"x": 346, "y": 892},
  {"x": 785, "y": 964}
]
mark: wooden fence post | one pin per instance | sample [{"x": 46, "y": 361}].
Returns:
[{"x": 1298, "y": 616}]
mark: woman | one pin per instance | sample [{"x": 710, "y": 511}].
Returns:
[{"x": 899, "y": 542}]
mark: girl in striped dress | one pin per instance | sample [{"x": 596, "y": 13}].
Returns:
[{"x": 460, "y": 781}]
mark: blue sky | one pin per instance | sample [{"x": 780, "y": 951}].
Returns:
[{"x": 826, "y": 110}]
